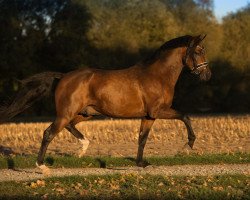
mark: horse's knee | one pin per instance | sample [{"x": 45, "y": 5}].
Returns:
[
  {"x": 53, "y": 129},
  {"x": 47, "y": 137}
]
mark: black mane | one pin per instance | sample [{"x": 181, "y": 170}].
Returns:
[{"x": 182, "y": 41}]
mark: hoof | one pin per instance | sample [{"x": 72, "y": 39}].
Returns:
[
  {"x": 45, "y": 170},
  {"x": 191, "y": 144},
  {"x": 85, "y": 145},
  {"x": 187, "y": 147},
  {"x": 142, "y": 164},
  {"x": 186, "y": 150}
]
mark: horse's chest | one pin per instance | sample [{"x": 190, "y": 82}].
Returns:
[{"x": 159, "y": 96}]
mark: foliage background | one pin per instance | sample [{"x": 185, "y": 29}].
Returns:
[{"x": 63, "y": 35}]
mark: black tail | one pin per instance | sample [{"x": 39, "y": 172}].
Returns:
[{"x": 33, "y": 89}]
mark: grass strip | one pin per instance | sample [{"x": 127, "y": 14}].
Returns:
[
  {"x": 56, "y": 161},
  {"x": 130, "y": 186}
]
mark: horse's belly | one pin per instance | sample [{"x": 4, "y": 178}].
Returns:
[
  {"x": 121, "y": 104},
  {"x": 123, "y": 109},
  {"x": 118, "y": 95}
]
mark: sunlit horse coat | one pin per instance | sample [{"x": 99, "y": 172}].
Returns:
[{"x": 144, "y": 90}]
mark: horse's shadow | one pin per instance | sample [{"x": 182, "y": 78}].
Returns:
[
  {"x": 143, "y": 164},
  {"x": 103, "y": 163},
  {"x": 7, "y": 152}
]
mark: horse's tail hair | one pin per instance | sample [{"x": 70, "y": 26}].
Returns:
[{"x": 32, "y": 89}]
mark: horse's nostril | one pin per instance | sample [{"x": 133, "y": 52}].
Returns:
[{"x": 208, "y": 75}]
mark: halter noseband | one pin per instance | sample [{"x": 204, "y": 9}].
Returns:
[{"x": 197, "y": 70}]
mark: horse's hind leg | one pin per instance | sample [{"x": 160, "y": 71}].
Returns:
[
  {"x": 72, "y": 129},
  {"x": 48, "y": 136}
]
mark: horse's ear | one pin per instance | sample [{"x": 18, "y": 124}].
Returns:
[
  {"x": 191, "y": 43},
  {"x": 202, "y": 37},
  {"x": 194, "y": 42}
]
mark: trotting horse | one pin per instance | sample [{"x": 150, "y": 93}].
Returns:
[{"x": 144, "y": 91}]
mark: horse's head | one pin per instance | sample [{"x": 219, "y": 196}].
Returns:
[{"x": 195, "y": 58}]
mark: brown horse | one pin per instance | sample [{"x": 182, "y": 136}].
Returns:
[{"x": 144, "y": 91}]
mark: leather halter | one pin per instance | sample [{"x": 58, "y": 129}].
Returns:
[{"x": 197, "y": 68}]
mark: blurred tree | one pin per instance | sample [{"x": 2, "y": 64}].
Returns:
[
  {"x": 123, "y": 32},
  {"x": 62, "y": 35},
  {"x": 23, "y": 31},
  {"x": 38, "y": 36},
  {"x": 24, "y": 28},
  {"x": 236, "y": 51},
  {"x": 236, "y": 41},
  {"x": 194, "y": 18},
  {"x": 66, "y": 43},
  {"x": 11, "y": 53},
  {"x": 206, "y": 4},
  {"x": 130, "y": 24}
]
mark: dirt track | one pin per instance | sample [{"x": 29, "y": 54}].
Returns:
[{"x": 186, "y": 170}]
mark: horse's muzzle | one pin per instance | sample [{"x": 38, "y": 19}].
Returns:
[
  {"x": 205, "y": 74},
  {"x": 203, "y": 71}
]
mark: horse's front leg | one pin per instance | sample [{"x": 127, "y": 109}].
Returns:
[
  {"x": 146, "y": 125},
  {"x": 191, "y": 135},
  {"x": 170, "y": 113}
]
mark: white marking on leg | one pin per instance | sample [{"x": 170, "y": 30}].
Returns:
[
  {"x": 85, "y": 144},
  {"x": 45, "y": 170}
]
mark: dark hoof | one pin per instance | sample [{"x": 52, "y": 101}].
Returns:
[
  {"x": 191, "y": 144},
  {"x": 142, "y": 164}
]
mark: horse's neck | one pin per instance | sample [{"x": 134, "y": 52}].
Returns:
[{"x": 169, "y": 68}]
